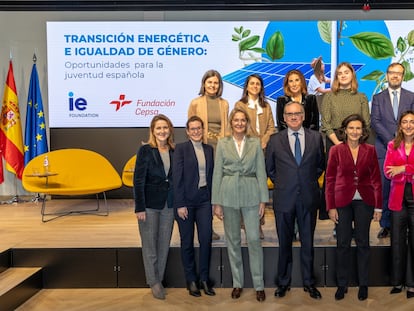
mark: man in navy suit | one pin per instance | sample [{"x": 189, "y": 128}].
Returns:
[
  {"x": 386, "y": 108},
  {"x": 294, "y": 161},
  {"x": 193, "y": 173}
]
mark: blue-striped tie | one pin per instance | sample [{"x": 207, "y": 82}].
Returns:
[{"x": 298, "y": 152}]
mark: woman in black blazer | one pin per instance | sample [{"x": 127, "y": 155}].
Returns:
[
  {"x": 294, "y": 87},
  {"x": 193, "y": 174},
  {"x": 153, "y": 193}
]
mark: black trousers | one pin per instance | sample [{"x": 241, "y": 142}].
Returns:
[
  {"x": 360, "y": 214},
  {"x": 402, "y": 240}
]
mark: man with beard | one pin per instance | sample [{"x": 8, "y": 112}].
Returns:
[{"x": 387, "y": 107}]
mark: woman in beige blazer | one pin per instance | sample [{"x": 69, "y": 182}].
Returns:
[
  {"x": 240, "y": 189},
  {"x": 260, "y": 113},
  {"x": 213, "y": 110}
]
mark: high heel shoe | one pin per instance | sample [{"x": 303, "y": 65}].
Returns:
[
  {"x": 340, "y": 292},
  {"x": 208, "y": 290},
  {"x": 193, "y": 289},
  {"x": 363, "y": 293},
  {"x": 397, "y": 289}
]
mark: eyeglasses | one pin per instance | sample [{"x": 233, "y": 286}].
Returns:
[
  {"x": 195, "y": 129},
  {"x": 293, "y": 114},
  {"x": 397, "y": 73}
]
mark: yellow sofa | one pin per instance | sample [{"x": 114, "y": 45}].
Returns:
[
  {"x": 71, "y": 172},
  {"x": 128, "y": 172}
]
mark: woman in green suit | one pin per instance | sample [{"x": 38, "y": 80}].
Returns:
[{"x": 240, "y": 189}]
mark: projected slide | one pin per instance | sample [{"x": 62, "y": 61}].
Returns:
[{"x": 121, "y": 74}]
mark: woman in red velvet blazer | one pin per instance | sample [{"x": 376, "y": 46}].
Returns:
[
  {"x": 353, "y": 197},
  {"x": 399, "y": 167}
]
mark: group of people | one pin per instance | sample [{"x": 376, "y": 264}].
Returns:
[{"x": 223, "y": 168}]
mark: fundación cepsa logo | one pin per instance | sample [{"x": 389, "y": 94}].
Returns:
[
  {"x": 144, "y": 107},
  {"x": 121, "y": 102}
]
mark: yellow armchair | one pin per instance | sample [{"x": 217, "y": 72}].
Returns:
[
  {"x": 71, "y": 172},
  {"x": 128, "y": 172}
]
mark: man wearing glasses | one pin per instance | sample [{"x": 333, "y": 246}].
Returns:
[
  {"x": 387, "y": 107},
  {"x": 294, "y": 161}
]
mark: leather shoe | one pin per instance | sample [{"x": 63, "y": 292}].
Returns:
[
  {"x": 340, "y": 292},
  {"x": 193, "y": 289},
  {"x": 313, "y": 291},
  {"x": 281, "y": 291},
  {"x": 396, "y": 289},
  {"x": 363, "y": 293},
  {"x": 261, "y": 296},
  {"x": 383, "y": 233},
  {"x": 235, "y": 294},
  {"x": 410, "y": 294},
  {"x": 208, "y": 290}
]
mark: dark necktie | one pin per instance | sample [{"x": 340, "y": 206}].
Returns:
[{"x": 298, "y": 153}]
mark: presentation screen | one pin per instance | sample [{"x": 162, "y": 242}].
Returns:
[{"x": 121, "y": 74}]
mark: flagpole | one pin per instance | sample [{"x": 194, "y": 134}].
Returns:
[
  {"x": 35, "y": 140},
  {"x": 11, "y": 132},
  {"x": 37, "y": 197}
]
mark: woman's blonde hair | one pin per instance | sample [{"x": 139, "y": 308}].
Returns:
[{"x": 233, "y": 113}]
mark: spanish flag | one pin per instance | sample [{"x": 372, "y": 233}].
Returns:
[{"x": 11, "y": 138}]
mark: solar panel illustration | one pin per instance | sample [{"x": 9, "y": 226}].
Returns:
[{"x": 273, "y": 74}]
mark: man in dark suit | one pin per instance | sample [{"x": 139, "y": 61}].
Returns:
[
  {"x": 387, "y": 107},
  {"x": 193, "y": 173},
  {"x": 294, "y": 161}
]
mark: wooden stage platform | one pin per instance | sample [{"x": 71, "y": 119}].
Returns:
[
  {"x": 21, "y": 227},
  {"x": 105, "y": 251},
  {"x": 80, "y": 254}
]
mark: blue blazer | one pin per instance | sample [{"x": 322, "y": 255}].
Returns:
[
  {"x": 291, "y": 180},
  {"x": 382, "y": 117},
  {"x": 186, "y": 174},
  {"x": 152, "y": 188}
]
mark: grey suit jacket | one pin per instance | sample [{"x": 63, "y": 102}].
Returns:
[
  {"x": 293, "y": 181},
  {"x": 239, "y": 181}
]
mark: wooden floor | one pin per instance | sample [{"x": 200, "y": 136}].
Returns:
[
  {"x": 178, "y": 299},
  {"x": 21, "y": 227}
]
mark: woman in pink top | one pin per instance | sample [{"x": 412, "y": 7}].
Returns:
[{"x": 399, "y": 167}]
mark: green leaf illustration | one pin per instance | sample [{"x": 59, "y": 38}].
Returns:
[
  {"x": 238, "y": 30},
  {"x": 373, "y": 44},
  {"x": 410, "y": 38},
  {"x": 275, "y": 46},
  {"x": 248, "y": 43},
  {"x": 401, "y": 45},
  {"x": 258, "y": 50},
  {"x": 325, "y": 31},
  {"x": 373, "y": 76},
  {"x": 235, "y": 38},
  {"x": 408, "y": 75},
  {"x": 246, "y": 33}
]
